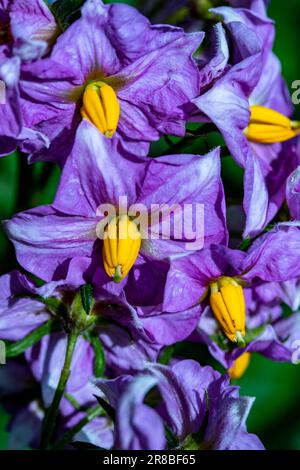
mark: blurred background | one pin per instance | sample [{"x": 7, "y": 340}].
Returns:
[{"x": 275, "y": 416}]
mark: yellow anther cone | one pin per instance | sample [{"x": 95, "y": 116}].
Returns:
[
  {"x": 100, "y": 106},
  {"x": 228, "y": 305},
  {"x": 239, "y": 366},
  {"x": 121, "y": 246},
  {"x": 267, "y": 126}
]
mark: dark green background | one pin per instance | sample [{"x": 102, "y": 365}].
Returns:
[{"x": 275, "y": 416}]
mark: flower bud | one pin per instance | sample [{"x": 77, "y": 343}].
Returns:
[
  {"x": 239, "y": 366},
  {"x": 101, "y": 107},
  {"x": 228, "y": 305},
  {"x": 77, "y": 318},
  {"x": 121, "y": 246},
  {"x": 267, "y": 126}
]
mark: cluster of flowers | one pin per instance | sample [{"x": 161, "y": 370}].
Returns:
[{"x": 92, "y": 97}]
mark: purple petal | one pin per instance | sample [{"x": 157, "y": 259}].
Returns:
[
  {"x": 10, "y": 116},
  {"x": 182, "y": 180},
  {"x": 273, "y": 257},
  {"x": 250, "y": 33},
  {"x": 227, "y": 98},
  {"x": 98, "y": 432},
  {"x": 43, "y": 251},
  {"x": 215, "y": 59},
  {"x": 226, "y": 419},
  {"x": 19, "y": 317},
  {"x": 46, "y": 361},
  {"x": 15, "y": 378},
  {"x": 162, "y": 96},
  {"x": 190, "y": 276},
  {"x": 271, "y": 90},
  {"x": 186, "y": 384},
  {"x": 33, "y": 28},
  {"x": 95, "y": 174},
  {"x": 25, "y": 427},
  {"x": 139, "y": 426},
  {"x": 293, "y": 193},
  {"x": 124, "y": 356},
  {"x": 246, "y": 441}
]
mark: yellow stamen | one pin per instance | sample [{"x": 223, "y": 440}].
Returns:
[
  {"x": 228, "y": 305},
  {"x": 267, "y": 126},
  {"x": 121, "y": 246},
  {"x": 239, "y": 366},
  {"x": 101, "y": 107}
]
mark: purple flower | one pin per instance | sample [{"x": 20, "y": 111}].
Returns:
[
  {"x": 139, "y": 87},
  {"x": 97, "y": 174},
  {"x": 19, "y": 315},
  {"x": 27, "y": 29},
  {"x": 194, "y": 401},
  {"x": 273, "y": 337},
  {"x": 251, "y": 81},
  {"x": 219, "y": 273}
]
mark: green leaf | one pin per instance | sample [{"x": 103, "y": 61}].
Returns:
[
  {"x": 87, "y": 297},
  {"x": 245, "y": 244},
  {"x": 17, "y": 348},
  {"x": 166, "y": 355},
  {"x": 66, "y": 12},
  {"x": 252, "y": 334},
  {"x": 99, "y": 361},
  {"x": 109, "y": 410},
  {"x": 172, "y": 439}
]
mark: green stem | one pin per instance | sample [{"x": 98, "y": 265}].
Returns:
[
  {"x": 52, "y": 411},
  {"x": 68, "y": 436},
  {"x": 34, "y": 337}
]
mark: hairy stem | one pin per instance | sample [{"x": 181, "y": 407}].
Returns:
[{"x": 52, "y": 412}]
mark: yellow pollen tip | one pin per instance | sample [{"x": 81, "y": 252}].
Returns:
[
  {"x": 227, "y": 302},
  {"x": 239, "y": 366},
  {"x": 100, "y": 106},
  {"x": 121, "y": 246},
  {"x": 267, "y": 126}
]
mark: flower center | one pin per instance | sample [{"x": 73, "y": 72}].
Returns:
[
  {"x": 239, "y": 366},
  {"x": 101, "y": 107},
  {"x": 228, "y": 305},
  {"x": 121, "y": 246},
  {"x": 267, "y": 126}
]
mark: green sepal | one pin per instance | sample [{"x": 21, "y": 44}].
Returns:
[
  {"x": 18, "y": 347},
  {"x": 87, "y": 297}
]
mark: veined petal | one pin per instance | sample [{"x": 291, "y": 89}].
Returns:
[{"x": 46, "y": 240}]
